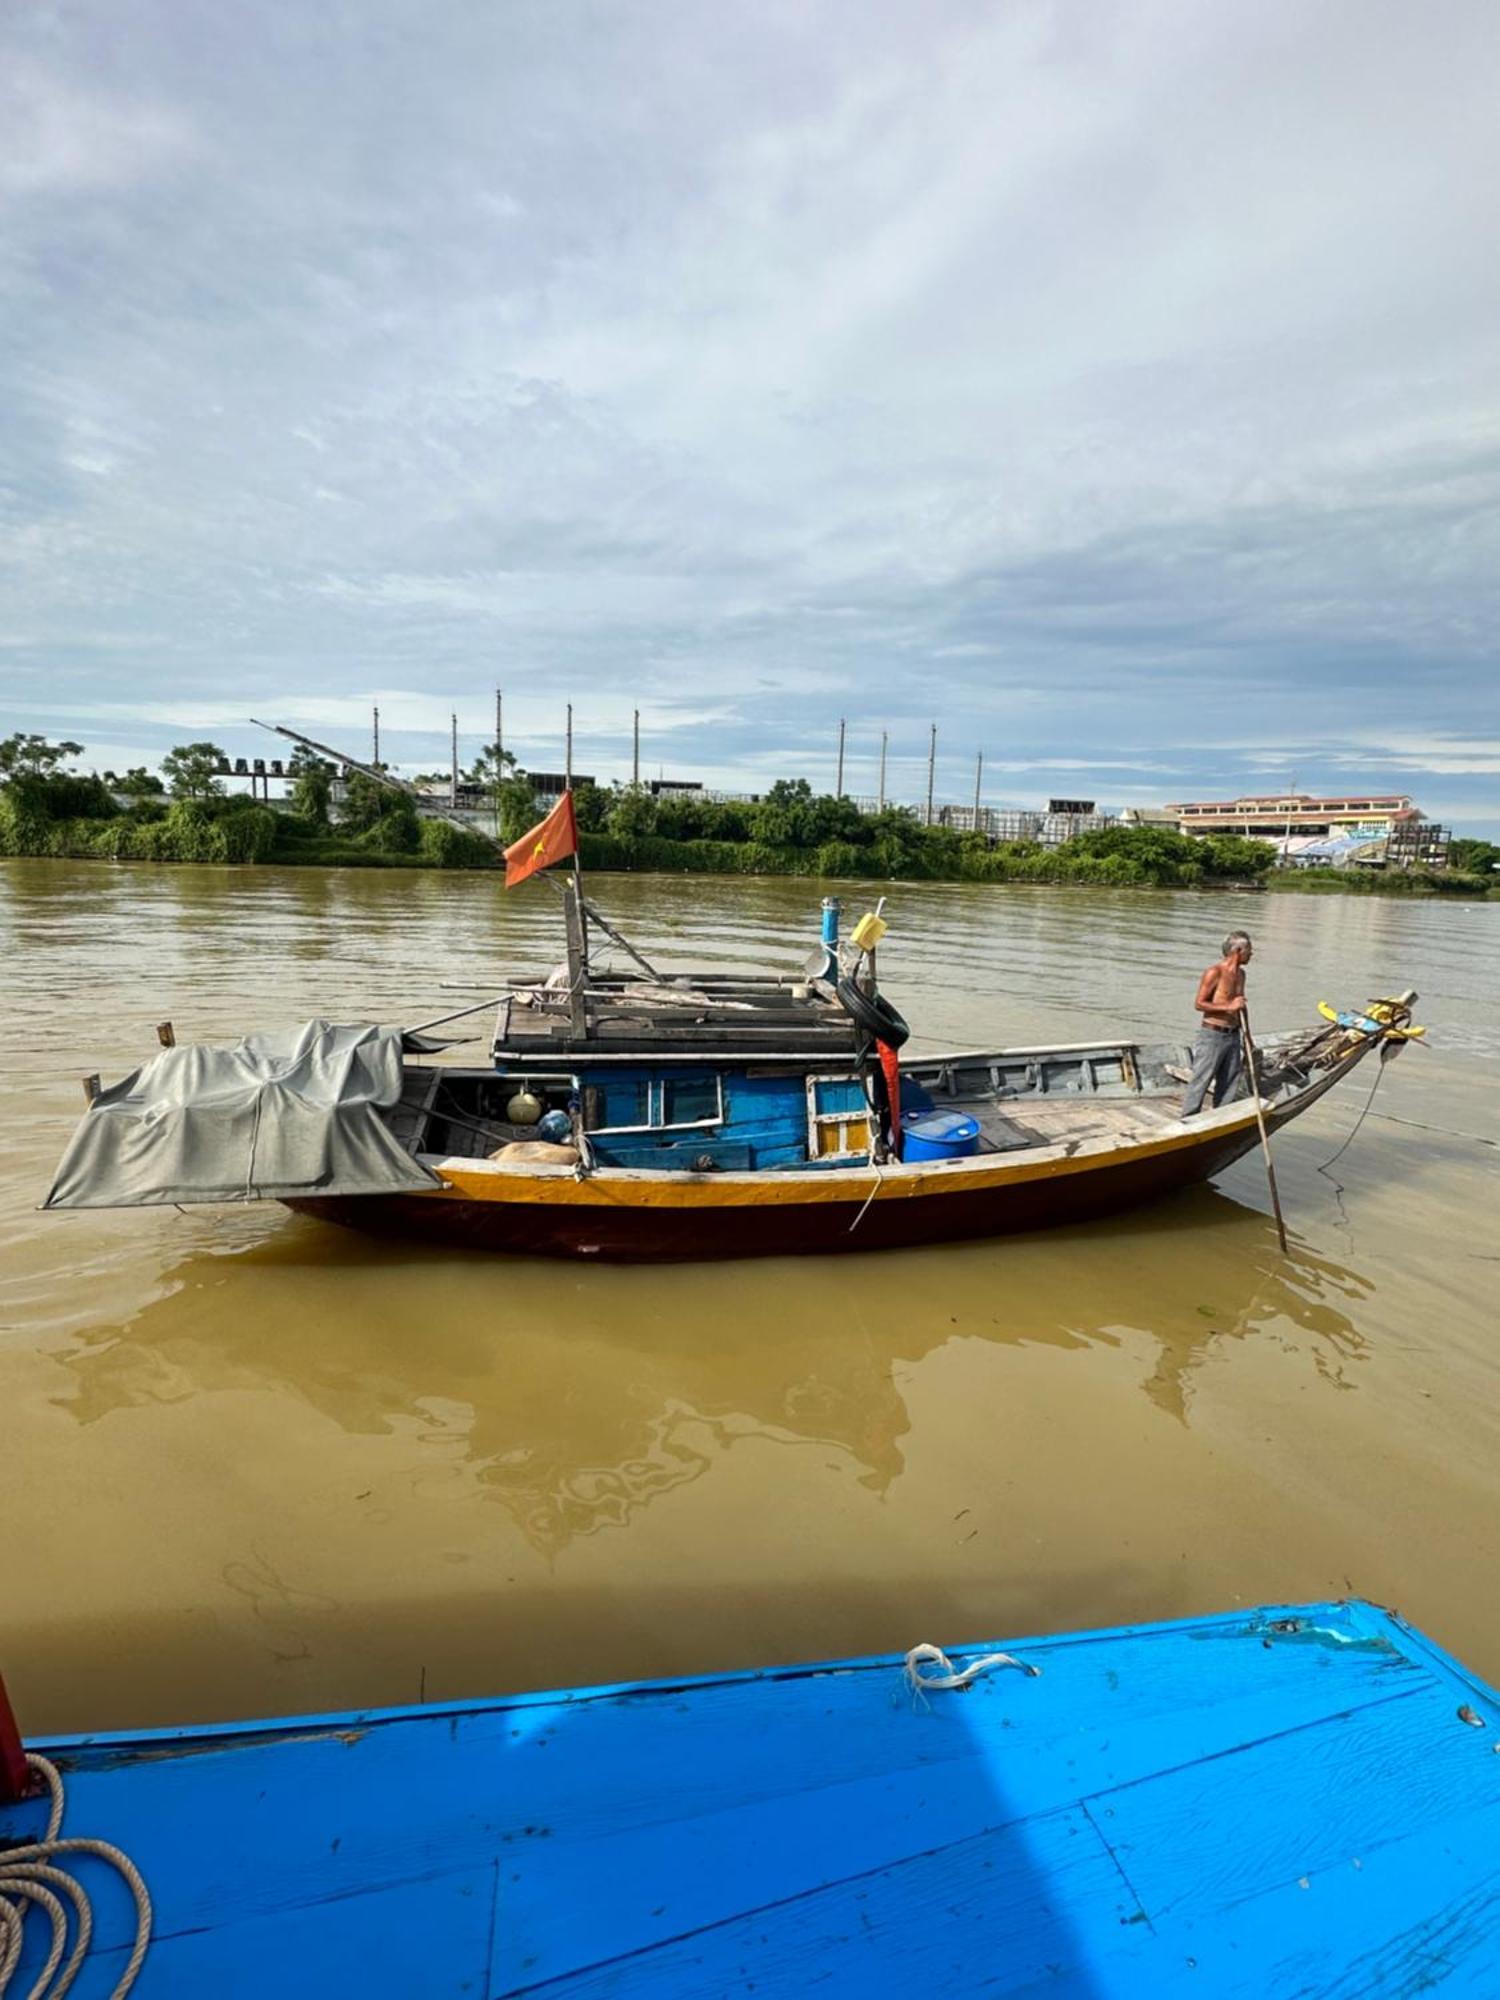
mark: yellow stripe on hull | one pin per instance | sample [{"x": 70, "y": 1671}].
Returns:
[{"x": 627, "y": 1188}]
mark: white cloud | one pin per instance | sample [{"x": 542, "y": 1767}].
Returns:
[
  {"x": 63, "y": 136},
  {"x": 1091, "y": 378}
]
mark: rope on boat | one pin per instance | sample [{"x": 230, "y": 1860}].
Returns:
[
  {"x": 28, "y": 1879},
  {"x": 949, "y": 1676},
  {"x": 879, "y": 1178},
  {"x": 1379, "y": 1073}
]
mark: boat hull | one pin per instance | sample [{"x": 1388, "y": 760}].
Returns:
[{"x": 678, "y": 1218}]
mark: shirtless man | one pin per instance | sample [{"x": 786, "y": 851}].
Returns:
[{"x": 1216, "y": 1050}]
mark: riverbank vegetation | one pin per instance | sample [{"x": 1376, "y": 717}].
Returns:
[{"x": 46, "y": 809}]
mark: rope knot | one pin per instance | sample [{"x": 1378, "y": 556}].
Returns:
[{"x": 949, "y": 1676}]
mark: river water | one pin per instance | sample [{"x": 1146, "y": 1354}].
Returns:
[{"x": 254, "y": 1465}]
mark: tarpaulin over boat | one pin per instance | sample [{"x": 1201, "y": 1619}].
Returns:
[{"x": 298, "y": 1113}]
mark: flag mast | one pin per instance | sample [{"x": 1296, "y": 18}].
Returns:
[{"x": 577, "y": 917}]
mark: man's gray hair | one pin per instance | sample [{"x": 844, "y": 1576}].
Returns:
[{"x": 1237, "y": 941}]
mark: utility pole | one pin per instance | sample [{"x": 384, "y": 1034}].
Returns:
[
  {"x": 453, "y": 774},
  {"x": 499, "y": 757},
  {"x": 978, "y": 775},
  {"x": 931, "y": 767},
  {"x": 568, "y": 766},
  {"x": 375, "y": 759},
  {"x": 883, "y": 735},
  {"x": 635, "y": 754},
  {"x": 838, "y": 784}
]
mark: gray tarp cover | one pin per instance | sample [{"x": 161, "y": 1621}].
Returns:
[{"x": 298, "y": 1113}]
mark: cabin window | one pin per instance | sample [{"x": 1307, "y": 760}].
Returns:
[
  {"x": 641, "y": 1104},
  {"x": 623, "y": 1104},
  {"x": 691, "y": 1100}
]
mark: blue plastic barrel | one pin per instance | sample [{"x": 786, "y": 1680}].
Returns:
[{"x": 939, "y": 1135}]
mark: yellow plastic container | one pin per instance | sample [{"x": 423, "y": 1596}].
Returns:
[{"x": 868, "y": 932}]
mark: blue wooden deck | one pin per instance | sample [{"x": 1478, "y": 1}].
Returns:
[{"x": 1272, "y": 1803}]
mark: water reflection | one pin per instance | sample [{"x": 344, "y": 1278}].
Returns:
[{"x": 574, "y": 1398}]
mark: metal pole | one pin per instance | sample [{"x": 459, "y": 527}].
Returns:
[
  {"x": 635, "y": 754},
  {"x": 375, "y": 757},
  {"x": 581, "y": 906},
  {"x": 838, "y": 786},
  {"x": 1247, "y": 1049},
  {"x": 499, "y": 755},
  {"x": 931, "y": 767},
  {"x": 881, "y": 805},
  {"x": 453, "y": 773},
  {"x": 978, "y": 775}
]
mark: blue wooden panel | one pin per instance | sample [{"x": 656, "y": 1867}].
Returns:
[
  {"x": 1258, "y": 1804},
  {"x": 1305, "y": 1800},
  {"x": 1025, "y": 1909},
  {"x": 431, "y": 1937},
  {"x": 764, "y": 1124},
  {"x": 840, "y": 1094},
  {"x": 1417, "y": 1916}
]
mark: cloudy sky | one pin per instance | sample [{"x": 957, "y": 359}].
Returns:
[{"x": 1117, "y": 385}]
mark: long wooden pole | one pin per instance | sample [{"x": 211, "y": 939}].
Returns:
[{"x": 1247, "y": 1047}]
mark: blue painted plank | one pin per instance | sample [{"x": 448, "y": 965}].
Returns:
[
  {"x": 1418, "y": 1915},
  {"x": 1000, "y": 1913},
  {"x": 1305, "y": 1800},
  {"x": 432, "y": 1937},
  {"x": 740, "y": 1853}
]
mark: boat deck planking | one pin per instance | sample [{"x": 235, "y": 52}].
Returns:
[{"x": 1290, "y": 1801}]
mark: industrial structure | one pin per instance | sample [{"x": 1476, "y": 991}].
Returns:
[{"x": 1354, "y": 829}]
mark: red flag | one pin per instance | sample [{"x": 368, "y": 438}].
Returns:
[{"x": 553, "y": 839}]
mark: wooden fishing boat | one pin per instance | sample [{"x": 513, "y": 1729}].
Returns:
[
  {"x": 682, "y": 1160},
  {"x": 693, "y": 1116},
  {"x": 1290, "y": 1801}
]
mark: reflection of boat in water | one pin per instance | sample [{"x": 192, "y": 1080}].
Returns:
[
  {"x": 573, "y": 1432},
  {"x": 1294, "y": 1800},
  {"x": 655, "y": 1120}
]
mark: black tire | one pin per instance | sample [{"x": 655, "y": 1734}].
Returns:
[{"x": 874, "y": 1013}]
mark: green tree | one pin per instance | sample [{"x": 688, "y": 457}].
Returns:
[
  {"x": 591, "y": 807},
  {"x": 490, "y": 767},
  {"x": 312, "y": 785},
  {"x": 784, "y": 817},
  {"x": 632, "y": 813},
  {"x": 139, "y": 783},
  {"x": 190, "y": 770},
  {"x": 24, "y": 756},
  {"x": 1474, "y": 857},
  {"x": 367, "y": 803},
  {"x": 518, "y": 809}
]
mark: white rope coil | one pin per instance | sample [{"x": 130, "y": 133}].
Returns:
[
  {"x": 28, "y": 1881},
  {"x": 949, "y": 1676}
]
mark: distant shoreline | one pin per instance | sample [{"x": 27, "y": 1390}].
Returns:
[{"x": 1307, "y": 882}]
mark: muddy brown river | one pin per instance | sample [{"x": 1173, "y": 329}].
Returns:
[{"x": 253, "y": 1465}]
